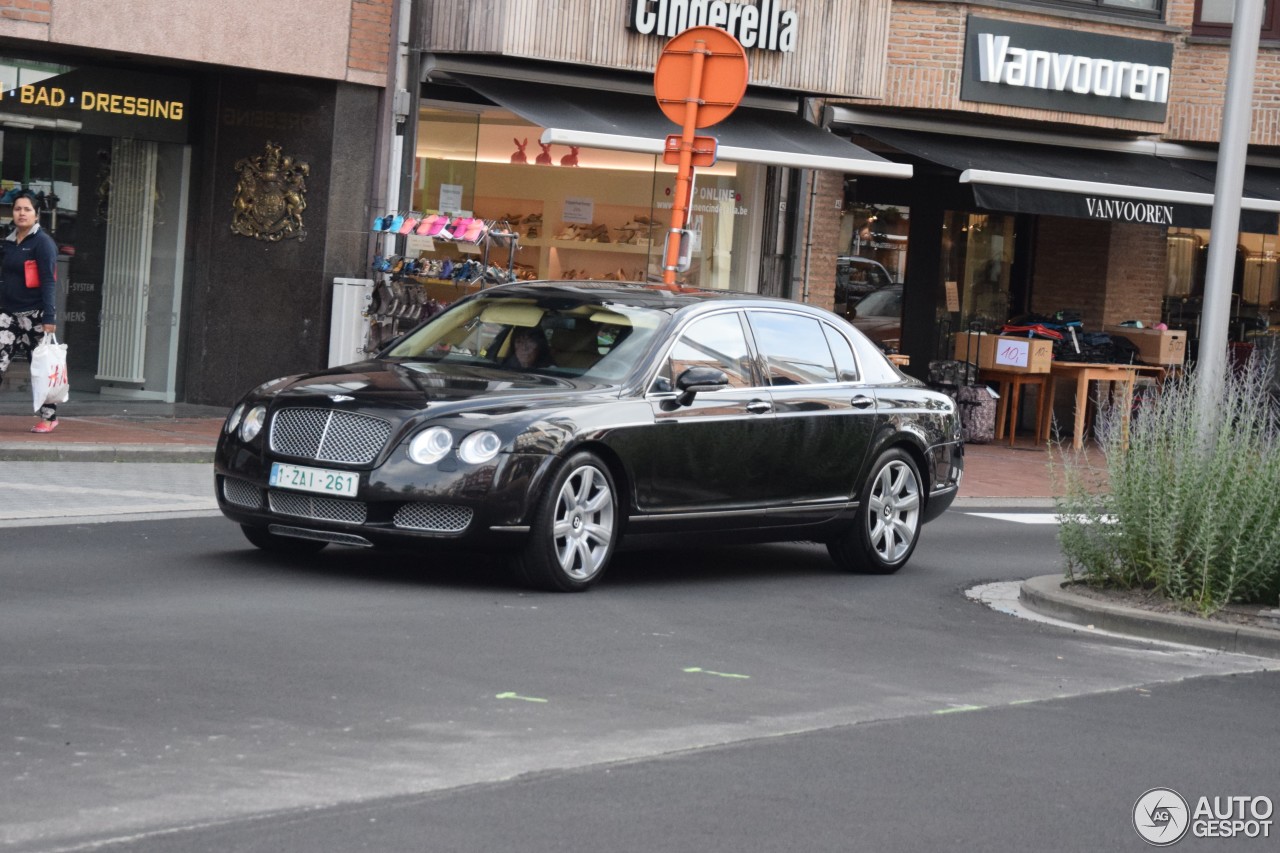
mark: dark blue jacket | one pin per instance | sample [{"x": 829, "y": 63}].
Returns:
[{"x": 15, "y": 296}]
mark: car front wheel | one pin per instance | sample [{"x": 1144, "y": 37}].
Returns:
[
  {"x": 888, "y": 525},
  {"x": 575, "y": 528}
]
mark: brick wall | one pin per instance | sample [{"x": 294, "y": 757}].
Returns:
[
  {"x": 34, "y": 11},
  {"x": 370, "y": 45},
  {"x": 1137, "y": 269},
  {"x": 1071, "y": 260},
  {"x": 1199, "y": 86},
  {"x": 926, "y": 55},
  {"x": 828, "y": 206},
  {"x": 926, "y": 58},
  {"x": 1111, "y": 272}
]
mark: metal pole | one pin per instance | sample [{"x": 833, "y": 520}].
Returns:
[
  {"x": 1246, "y": 28},
  {"x": 684, "y": 174}
]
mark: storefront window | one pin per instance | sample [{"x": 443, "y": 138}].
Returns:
[
  {"x": 977, "y": 262},
  {"x": 581, "y": 212},
  {"x": 1255, "y": 284},
  {"x": 110, "y": 190},
  {"x": 869, "y": 278}
]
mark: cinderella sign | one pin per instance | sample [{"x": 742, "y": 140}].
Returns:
[{"x": 764, "y": 27}]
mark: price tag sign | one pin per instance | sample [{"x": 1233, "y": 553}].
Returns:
[
  {"x": 580, "y": 210},
  {"x": 415, "y": 245},
  {"x": 1013, "y": 353},
  {"x": 450, "y": 197}
]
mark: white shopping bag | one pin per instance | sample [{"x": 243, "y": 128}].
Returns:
[{"x": 49, "y": 380}]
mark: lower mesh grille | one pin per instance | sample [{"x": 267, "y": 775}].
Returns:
[
  {"x": 319, "y": 508},
  {"x": 437, "y": 518},
  {"x": 241, "y": 493}
]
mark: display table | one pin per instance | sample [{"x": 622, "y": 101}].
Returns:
[
  {"x": 1083, "y": 373},
  {"x": 1011, "y": 383}
]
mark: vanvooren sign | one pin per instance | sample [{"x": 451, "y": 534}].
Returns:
[{"x": 1053, "y": 69}]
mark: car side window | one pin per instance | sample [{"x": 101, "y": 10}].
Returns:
[
  {"x": 842, "y": 351},
  {"x": 794, "y": 348},
  {"x": 717, "y": 341}
]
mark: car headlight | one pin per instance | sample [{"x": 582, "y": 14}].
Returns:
[
  {"x": 430, "y": 445},
  {"x": 233, "y": 419},
  {"x": 253, "y": 421},
  {"x": 479, "y": 447}
]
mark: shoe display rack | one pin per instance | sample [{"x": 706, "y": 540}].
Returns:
[{"x": 412, "y": 283}]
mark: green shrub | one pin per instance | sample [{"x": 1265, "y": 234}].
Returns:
[{"x": 1192, "y": 513}]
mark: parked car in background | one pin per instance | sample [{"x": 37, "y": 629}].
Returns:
[
  {"x": 706, "y": 415},
  {"x": 857, "y": 277},
  {"x": 879, "y": 316}
]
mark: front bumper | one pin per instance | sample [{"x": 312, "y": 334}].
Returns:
[{"x": 397, "y": 504}]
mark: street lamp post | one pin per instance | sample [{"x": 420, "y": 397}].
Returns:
[{"x": 1246, "y": 28}]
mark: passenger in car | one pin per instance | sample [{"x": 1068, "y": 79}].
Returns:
[{"x": 529, "y": 350}]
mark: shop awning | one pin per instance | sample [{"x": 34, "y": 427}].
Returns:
[
  {"x": 1085, "y": 183},
  {"x": 624, "y": 121}
]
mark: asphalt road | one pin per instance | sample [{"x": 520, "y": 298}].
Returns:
[{"x": 167, "y": 688}]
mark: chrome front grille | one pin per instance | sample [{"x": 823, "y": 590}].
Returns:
[
  {"x": 436, "y": 518},
  {"x": 326, "y": 435},
  {"x": 241, "y": 493},
  {"x": 317, "y": 507}
]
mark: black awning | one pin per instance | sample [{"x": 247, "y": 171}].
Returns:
[
  {"x": 1084, "y": 183},
  {"x": 1260, "y": 182},
  {"x": 626, "y": 121}
]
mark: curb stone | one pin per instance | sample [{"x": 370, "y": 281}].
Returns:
[
  {"x": 105, "y": 453},
  {"x": 1050, "y": 595}
]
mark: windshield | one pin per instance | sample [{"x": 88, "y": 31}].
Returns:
[{"x": 596, "y": 340}]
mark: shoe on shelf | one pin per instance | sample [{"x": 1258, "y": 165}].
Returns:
[{"x": 45, "y": 426}]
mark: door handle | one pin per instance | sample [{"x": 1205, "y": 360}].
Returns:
[
  {"x": 861, "y": 402},
  {"x": 759, "y": 407}
]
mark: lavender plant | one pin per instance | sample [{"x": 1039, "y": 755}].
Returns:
[{"x": 1186, "y": 508}]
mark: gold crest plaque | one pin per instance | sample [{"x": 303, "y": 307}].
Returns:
[{"x": 270, "y": 196}]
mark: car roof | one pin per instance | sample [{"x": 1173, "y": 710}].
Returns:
[{"x": 640, "y": 294}]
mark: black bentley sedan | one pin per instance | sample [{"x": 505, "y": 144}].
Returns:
[{"x": 557, "y": 420}]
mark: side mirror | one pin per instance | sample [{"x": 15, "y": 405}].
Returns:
[{"x": 699, "y": 379}]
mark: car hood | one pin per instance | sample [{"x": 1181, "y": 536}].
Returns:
[{"x": 408, "y": 385}]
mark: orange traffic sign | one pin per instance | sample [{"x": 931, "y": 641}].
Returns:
[
  {"x": 722, "y": 83},
  {"x": 700, "y": 79}
]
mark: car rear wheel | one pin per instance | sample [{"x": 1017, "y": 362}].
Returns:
[
  {"x": 575, "y": 528},
  {"x": 888, "y": 525},
  {"x": 268, "y": 541}
]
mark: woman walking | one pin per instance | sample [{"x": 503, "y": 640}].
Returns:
[{"x": 28, "y": 290}]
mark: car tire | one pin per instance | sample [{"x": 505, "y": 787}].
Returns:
[
  {"x": 268, "y": 541},
  {"x": 890, "y": 509},
  {"x": 574, "y": 529}
]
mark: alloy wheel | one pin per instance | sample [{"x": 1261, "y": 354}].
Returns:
[
  {"x": 583, "y": 525},
  {"x": 894, "y": 511}
]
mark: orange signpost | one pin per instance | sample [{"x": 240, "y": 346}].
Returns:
[{"x": 700, "y": 79}]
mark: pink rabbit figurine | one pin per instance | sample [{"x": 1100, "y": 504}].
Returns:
[
  {"x": 544, "y": 159},
  {"x": 570, "y": 159},
  {"x": 519, "y": 156}
]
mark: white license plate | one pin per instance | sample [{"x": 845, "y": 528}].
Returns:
[{"x": 319, "y": 480}]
